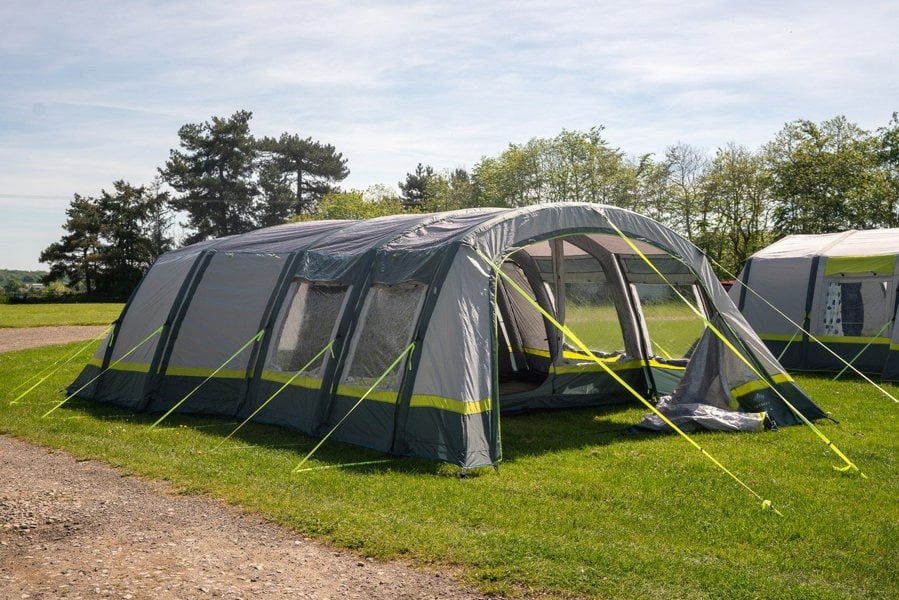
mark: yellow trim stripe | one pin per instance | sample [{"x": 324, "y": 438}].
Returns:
[
  {"x": 312, "y": 383},
  {"x": 854, "y": 340},
  {"x": 461, "y": 407},
  {"x": 831, "y": 339},
  {"x": 353, "y": 391},
  {"x": 759, "y": 384},
  {"x": 129, "y": 367},
  {"x": 206, "y": 372}
]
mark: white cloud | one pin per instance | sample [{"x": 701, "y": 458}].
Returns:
[{"x": 91, "y": 92}]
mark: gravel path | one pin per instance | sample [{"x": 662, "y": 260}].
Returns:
[
  {"x": 81, "y": 529},
  {"x": 20, "y": 338}
]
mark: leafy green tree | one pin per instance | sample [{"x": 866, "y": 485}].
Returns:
[
  {"x": 295, "y": 173},
  {"x": 580, "y": 166},
  {"x": 825, "y": 177},
  {"x": 11, "y": 287},
  {"x": 450, "y": 190},
  {"x": 76, "y": 256},
  {"x": 158, "y": 220},
  {"x": 214, "y": 172},
  {"x": 514, "y": 178},
  {"x": 735, "y": 189},
  {"x": 573, "y": 166},
  {"x": 690, "y": 215},
  {"x": 414, "y": 190},
  {"x": 354, "y": 205},
  {"x": 652, "y": 189},
  {"x": 111, "y": 242}
]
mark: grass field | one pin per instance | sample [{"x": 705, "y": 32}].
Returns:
[
  {"x": 37, "y": 315},
  {"x": 575, "y": 509}
]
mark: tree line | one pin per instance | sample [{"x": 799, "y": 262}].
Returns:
[{"x": 811, "y": 178}]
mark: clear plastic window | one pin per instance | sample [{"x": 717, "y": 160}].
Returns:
[
  {"x": 308, "y": 326},
  {"x": 387, "y": 322}
]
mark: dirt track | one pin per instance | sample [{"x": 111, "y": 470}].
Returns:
[
  {"x": 80, "y": 529},
  {"x": 20, "y": 338}
]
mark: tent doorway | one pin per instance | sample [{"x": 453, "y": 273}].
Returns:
[{"x": 612, "y": 301}]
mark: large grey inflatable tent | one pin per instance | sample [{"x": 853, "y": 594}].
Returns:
[
  {"x": 409, "y": 312},
  {"x": 839, "y": 288}
]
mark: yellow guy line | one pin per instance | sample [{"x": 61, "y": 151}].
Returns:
[
  {"x": 850, "y": 466},
  {"x": 808, "y": 333},
  {"x": 111, "y": 365},
  {"x": 281, "y": 389},
  {"x": 64, "y": 363},
  {"x": 299, "y": 467},
  {"x": 252, "y": 340},
  {"x": 766, "y": 504}
]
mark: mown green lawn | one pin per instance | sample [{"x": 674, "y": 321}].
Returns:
[
  {"x": 576, "y": 509},
  {"x": 37, "y": 315}
]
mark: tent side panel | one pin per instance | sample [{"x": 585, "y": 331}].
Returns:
[
  {"x": 135, "y": 342},
  {"x": 224, "y": 314},
  {"x": 783, "y": 283},
  {"x": 436, "y": 433},
  {"x": 452, "y": 414},
  {"x": 368, "y": 423},
  {"x": 294, "y": 407}
]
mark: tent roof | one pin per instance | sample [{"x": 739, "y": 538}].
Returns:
[
  {"x": 410, "y": 233},
  {"x": 870, "y": 242}
]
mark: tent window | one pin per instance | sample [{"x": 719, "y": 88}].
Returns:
[
  {"x": 388, "y": 321},
  {"x": 672, "y": 326},
  {"x": 590, "y": 310},
  {"x": 586, "y": 301},
  {"x": 858, "y": 307},
  {"x": 309, "y": 325}
]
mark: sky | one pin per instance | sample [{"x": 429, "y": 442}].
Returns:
[{"x": 92, "y": 92}]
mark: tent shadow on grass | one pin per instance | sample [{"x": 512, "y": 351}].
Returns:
[{"x": 524, "y": 435}]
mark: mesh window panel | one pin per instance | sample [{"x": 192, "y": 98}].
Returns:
[
  {"x": 590, "y": 303},
  {"x": 672, "y": 325},
  {"x": 308, "y": 326},
  {"x": 590, "y": 311},
  {"x": 388, "y": 320},
  {"x": 856, "y": 306}
]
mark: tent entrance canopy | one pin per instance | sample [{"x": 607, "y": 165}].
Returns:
[
  {"x": 398, "y": 334},
  {"x": 614, "y": 302}
]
